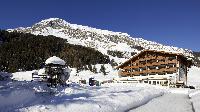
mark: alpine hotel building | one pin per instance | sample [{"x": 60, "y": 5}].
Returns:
[{"x": 157, "y": 68}]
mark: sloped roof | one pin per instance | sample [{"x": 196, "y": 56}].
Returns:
[
  {"x": 55, "y": 60},
  {"x": 164, "y": 52}
]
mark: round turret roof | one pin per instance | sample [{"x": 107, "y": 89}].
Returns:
[{"x": 55, "y": 60}]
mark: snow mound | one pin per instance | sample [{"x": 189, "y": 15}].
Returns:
[
  {"x": 21, "y": 76},
  {"x": 55, "y": 60},
  {"x": 41, "y": 71}
]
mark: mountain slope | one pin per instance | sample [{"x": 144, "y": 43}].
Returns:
[
  {"x": 19, "y": 51},
  {"x": 102, "y": 40}
]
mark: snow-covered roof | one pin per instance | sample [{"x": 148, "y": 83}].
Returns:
[
  {"x": 41, "y": 71},
  {"x": 55, "y": 60}
]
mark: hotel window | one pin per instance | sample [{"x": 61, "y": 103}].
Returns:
[
  {"x": 154, "y": 82},
  {"x": 171, "y": 58}
]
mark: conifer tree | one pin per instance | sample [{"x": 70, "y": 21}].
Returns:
[
  {"x": 103, "y": 70},
  {"x": 90, "y": 67},
  {"x": 94, "y": 69}
]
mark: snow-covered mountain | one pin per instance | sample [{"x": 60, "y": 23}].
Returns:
[{"x": 102, "y": 40}]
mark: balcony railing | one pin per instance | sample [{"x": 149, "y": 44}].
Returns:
[
  {"x": 152, "y": 64},
  {"x": 156, "y": 71}
]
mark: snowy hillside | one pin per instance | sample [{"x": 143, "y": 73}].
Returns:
[{"x": 102, "y": 40}]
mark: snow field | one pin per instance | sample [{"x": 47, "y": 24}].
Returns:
[
  {"x": 106, "y": 98},
  {"x": 15, "y": 95},
  {"x": 111, "y": 97}
]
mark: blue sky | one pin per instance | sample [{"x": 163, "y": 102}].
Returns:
[{"x": 170, "y": 22}]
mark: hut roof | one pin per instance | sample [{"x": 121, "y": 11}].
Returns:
[{"x": 55, "y": 60}]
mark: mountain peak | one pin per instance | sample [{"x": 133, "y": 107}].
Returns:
[
  {"x": 55, "y": 23},
  {"x": 51, "y": 19}
]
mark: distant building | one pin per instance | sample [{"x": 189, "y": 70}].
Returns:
[{"x": 157, "y": 68}]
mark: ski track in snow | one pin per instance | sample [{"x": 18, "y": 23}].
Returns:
[{"x": 170, "y": 102}]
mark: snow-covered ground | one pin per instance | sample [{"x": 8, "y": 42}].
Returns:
[
  {"x": 195, "y": 99},
  {"x": 194, "y": 76},
  {"x": 167, "y": 103},
  {"x": 86, "y": 74},
  {"x": 74, "y": 76},
  {"x": 23, "y": 76},
  {"x": 20, "y": 96},
  {"x": 26, "y": 96}
]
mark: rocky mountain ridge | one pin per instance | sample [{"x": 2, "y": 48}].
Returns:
[{"x": 103, "y": 40}]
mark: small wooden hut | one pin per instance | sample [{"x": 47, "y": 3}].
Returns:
[{"x": 56, "y": 71}]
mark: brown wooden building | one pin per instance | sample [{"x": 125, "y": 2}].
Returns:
[{"x": 157, "y": 67}]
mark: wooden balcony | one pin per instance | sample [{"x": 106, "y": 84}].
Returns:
[
  {"x": 171, "y": 62},
  {"x": 153, "y": 64},
  {"x": 149, "y": 58},
  {"x": 125, "y": 73},
  {"x": 174, "y": 69},
  {"x": 154, "y": 57},
  {"x": 127, "y": 67},
  {"x": 156, "y": 71}
]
